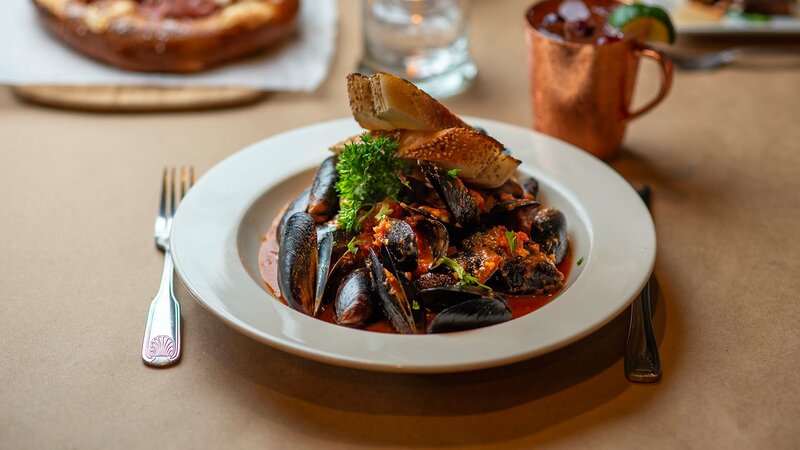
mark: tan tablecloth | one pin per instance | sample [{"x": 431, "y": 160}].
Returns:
[{"x": 78, "y": 268}]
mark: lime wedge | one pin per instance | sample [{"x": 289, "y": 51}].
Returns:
[{"x": 650, "y": 22}]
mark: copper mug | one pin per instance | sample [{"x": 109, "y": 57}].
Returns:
[{"x": 581, "y": 92}]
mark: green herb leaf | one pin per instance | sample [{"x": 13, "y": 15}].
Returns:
[
  {"x": 511, "y": 237},
  {"x": 383, "y": 212},
  {"x": 369, "y": 172},
  {"x": 453, "y": 173},
  {"x": 415, "y": 305},
  {"x": 580, "y": 261},
  {"x": 464, "y": 279},
  {"x": 353, "y": 245}
]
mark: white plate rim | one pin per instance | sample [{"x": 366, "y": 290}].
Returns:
[{"x": 390, "y": 354}]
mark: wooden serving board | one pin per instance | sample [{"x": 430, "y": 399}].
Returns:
[{"x": 137, "y": 98}]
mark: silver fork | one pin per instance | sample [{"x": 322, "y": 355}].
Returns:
[{"x": 162, "y": 335}]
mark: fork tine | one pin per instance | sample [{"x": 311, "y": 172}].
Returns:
[
  {"x": 191, "y": 176},
  {"x": 162, "y": 207},
  {"x": 172, "y": 194}
]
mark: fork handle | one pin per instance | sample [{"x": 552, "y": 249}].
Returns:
[
  {"x": 162, "y": 335},
  {"x": 642, "y": 362}
]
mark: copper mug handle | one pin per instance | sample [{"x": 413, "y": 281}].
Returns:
[{"x": 666, "y": 78}]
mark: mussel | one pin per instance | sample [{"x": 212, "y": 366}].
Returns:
[
  {"x": 326, "y": 237},
  {"x": 549, "y": 230},
  {"x": 323, "y": 201},
  {"x": 355, "y": 299},
  {"x": 416, "y": 243},
  {"x": 297, "y": 262},
  {"x": 345, "y": 264},
  {"x": 456, "y": 196},
  {"x": 533, "y": 274},
  {"x": 298, "y": 204},
  {"x": 512, "y": 187},
  {"x": 503, "y": 206},
  {"x": 401, "y": 241},
  {"x": 439, "y": 298},
  {"x": 304, "y": 260},
  {"x": 438, "y": 214},
  {"x": 392, "y": 289},
  {"x": 470, "y": 314},
  {"x": 531, "y": 186}
]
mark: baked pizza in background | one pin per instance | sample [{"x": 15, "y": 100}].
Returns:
[{"x": 168, "y": 35}]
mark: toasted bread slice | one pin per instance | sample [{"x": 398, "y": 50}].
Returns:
[
  {"x": 386, "y": 102},
  {"x": 477, "y": 155}
]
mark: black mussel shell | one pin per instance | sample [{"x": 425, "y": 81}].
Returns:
[
  {"x": 549, "y": 230},
  {"x": 434, "y": 235},
  {"x": 345, "y": 264},
  {"x": 437, "y": 214},
  {"x": 298, "y": 204},
  {"x": 531, "y": 186},
  {"x": 297, "y": 262},
  {"x": 355, "y": 299},
  {"x": 470, "y": 314},
  {"x": 534, "y": 274},
  {"x": 323, "y": 202},
  {"x": 390, "y": 287},
  {"x": 401, "y": 242},
  {"x": 511, "y": 186},
  {"x": 326, "y": 239},
  {"x": 452, "y": 191},
  {"x": 439, "y": 298},
  {"x": 504, "y": 206}
]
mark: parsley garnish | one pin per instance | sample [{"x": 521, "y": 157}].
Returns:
[
  {"x": 368, "y": 172},
  {"x": 580, "y": 261},
  {"x": 464, "y": 278},
  {"x": 511, "y": 237},
  {"x": 353, "y": 245},
  {"x": 383, "y": 212},
  {"x": 453, "y": 173},
  {"x": 415, "y": 305}
]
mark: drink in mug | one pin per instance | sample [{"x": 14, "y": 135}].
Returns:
[{"x": 583, "y": 72}]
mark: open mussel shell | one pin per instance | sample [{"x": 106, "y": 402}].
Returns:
[
  {"x": 453, "y": 193},
  {"x": 437, "y": 214},
  {"x": 470, "y": 314},
  {"x": 326, "y": 238},
  {"x": 531, "y": 186},
  {"x": 389, "y": 285},
  {"x": 298, "y": 204},
  {"x": 512, "y": 186},
  {"x": 439, "y": 298},
  {"x": 401, "y": 242},
  {"x": 418, "y": 243},
  {"x": 323, "y": 201},
  {"x": 355, "y": 299},
  {"x": 504, "y": 206},
  {"x": 434, "y": 235},
  {"x": 344, "y": 265},
  {"x": 297, "y": 262},
  {"x": 549, "y": 230}
]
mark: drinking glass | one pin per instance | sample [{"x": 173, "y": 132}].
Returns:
[{"x": 423, "y": 41}]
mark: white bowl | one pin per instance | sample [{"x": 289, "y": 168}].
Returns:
[{"x": 218, "y": 228}]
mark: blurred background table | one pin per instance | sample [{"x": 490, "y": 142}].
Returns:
[{"x": 78, "y": 268}]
